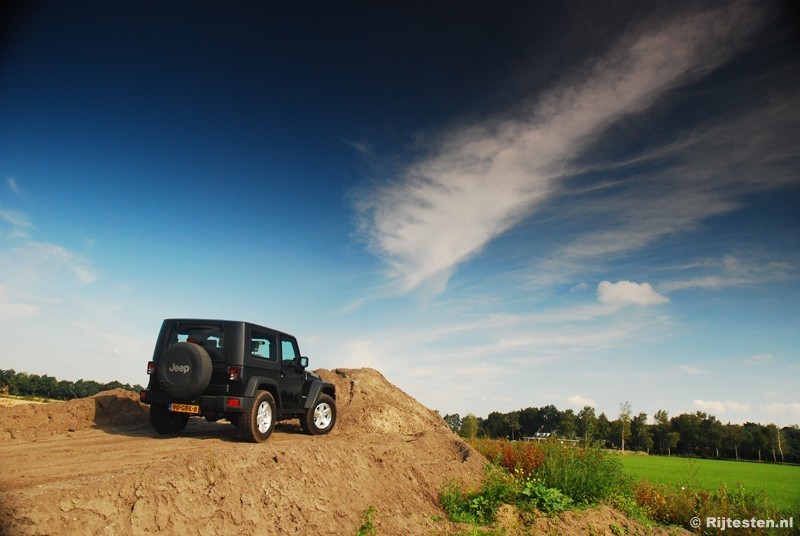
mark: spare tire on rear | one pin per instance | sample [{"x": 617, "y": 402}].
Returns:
[{"x": 184, "y": 370}]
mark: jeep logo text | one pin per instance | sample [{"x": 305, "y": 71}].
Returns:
[{"x": 183, "y": 369}]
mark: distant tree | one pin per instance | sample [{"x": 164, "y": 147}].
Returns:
[
  {"x": 757, "y": 440},
  {"x": 453, "y": 421},
  {"x": 792, "y": 447},
  {"x": 550, "y": 418},
  {"x": 775, "y": 441},
  {"x": 496, "y": 425},
  {"x": 689, "y": 427},
  {"x": 8, "y": 378},
  {"x": 661, "y": 431},
  {"x": 587, "y": 424},
  {"x": 568, "y": 427},
  {"x": 713, "y": 433},
  {"x": 625, "y": 422},
  {"x": 65, "y": 390},
  {"x": 604, "y": 429},
  {"x": 529, "y": 421},
  {"x": 640, "y": 433},
  {"x": 673, "y": 438},
  {"x": 734, "y": 435},
  {"x": 469, "y": 427},
  {"x": 512, "y": 420}
]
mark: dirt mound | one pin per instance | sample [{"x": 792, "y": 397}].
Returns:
[
  {"x": 109, "y": 408},
  {"x": 95, "y": 466},
  {"x": 368, "y": 403}
]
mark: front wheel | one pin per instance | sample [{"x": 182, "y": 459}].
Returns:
[
  {"x": 320, "y": 418},
  {"x": 256, "y": 424},
  {"x": 166, "y": 422}
]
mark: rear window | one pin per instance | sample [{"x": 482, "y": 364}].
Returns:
[{"x": 210, "y": 337}]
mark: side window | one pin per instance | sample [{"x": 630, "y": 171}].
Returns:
[
  {"x": 288, "y": 350},
  {"x": 262, "y": 345}
]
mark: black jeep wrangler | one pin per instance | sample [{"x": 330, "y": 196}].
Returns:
[{"x": 251, "y": 375}]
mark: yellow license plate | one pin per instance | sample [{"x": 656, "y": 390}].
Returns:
[{"x": 184, "y": 408}]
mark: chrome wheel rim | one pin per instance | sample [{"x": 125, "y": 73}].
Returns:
[
  {"x": 264, "y": 417},
  {"x": 323, "y": 414}
]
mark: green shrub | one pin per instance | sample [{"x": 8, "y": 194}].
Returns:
[
  {"x": 499, "y": 487},
  {"x": 548, "y": 500},
  {"x": 586, "y": 475}
]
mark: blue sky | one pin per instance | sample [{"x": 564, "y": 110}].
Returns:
[{"x": 495, "y": 206}]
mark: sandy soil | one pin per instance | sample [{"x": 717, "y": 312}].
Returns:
[
  {"x": 95, "y": 466},
  {"x": 7, "y": 402}
]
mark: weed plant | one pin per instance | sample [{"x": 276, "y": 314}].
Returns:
[
  {"x": 499, "y": 487},
  {"x": 367, "y": 527},
  {"x": 585, "y": 475}
]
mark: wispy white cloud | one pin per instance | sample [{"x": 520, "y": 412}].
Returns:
[
  {"x": 732, "y": 271},
  {"x": 717, "y": 406},
  {"x": 793, "y": 407},
  {"x": 32, "y": 261},
  {"x": 12, "y": 309},
  {"x": 483, "y": 180},
  {"x": 362, "y": 147},
  {"x": 694, "y": 371},
  {"x": 580, "y": 401},
  {"x": 628, "y": 293},
  {"x": 19, "y": 220},
  {"x": 759, "y": 359},
  {"x": 11, "y": 183}
]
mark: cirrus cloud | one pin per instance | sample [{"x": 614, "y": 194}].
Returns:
[{"x": 479, "y": 182}]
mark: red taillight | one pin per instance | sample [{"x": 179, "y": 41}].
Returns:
[
  {"x": 151, "y": 368},
  {"x": 234, "y": 374},
  {"x": 142, "y": 396},
  {"x": 233, "y": 402}
]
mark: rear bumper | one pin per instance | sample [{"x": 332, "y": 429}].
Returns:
[{"x": 211, "y": 405}]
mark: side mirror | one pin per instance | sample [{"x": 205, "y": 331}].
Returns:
[{"x": 303, "y": 362}]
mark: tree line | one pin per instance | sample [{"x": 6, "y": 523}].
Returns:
[
  {"x": 24, "y": 384},
  {"x": 688, "y": 434}
]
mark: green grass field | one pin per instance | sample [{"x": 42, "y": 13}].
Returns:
[{"x": 781, "y": 483}]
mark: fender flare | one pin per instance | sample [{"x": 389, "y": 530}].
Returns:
[
  {"x": 314, "y": 391},
  {"x": 256, "y": 381}
]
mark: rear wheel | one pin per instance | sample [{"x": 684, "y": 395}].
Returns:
[
  {"x": 256, "y": 424},
  {"x": 320, "y": 418},
  {"x": 166, "y": 422}
]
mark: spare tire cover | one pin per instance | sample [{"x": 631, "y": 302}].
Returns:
[{"x": 184, "y": 370}]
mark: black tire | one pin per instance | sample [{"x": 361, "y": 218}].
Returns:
[
  {"x": 166, "y": 422},
  {"x": 256, "y": 424},
  {"x": 184, "y": 370},
  {"x": 321, "y": 417}
]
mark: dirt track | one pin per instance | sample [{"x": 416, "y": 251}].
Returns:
[{"x": 94, "y": 466}]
